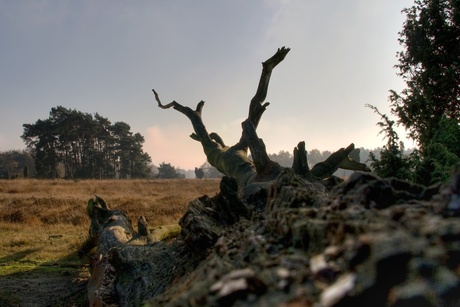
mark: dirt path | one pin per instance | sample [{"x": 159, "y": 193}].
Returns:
[{"x": 56, "y": 286}]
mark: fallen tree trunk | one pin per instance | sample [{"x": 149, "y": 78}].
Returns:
[
  {"x": 112, "y": 233},
  {"x": 279, "y": 236}
]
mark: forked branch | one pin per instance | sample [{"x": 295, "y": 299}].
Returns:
[
  {"x": 228, "y": 160},
  {"x": 201, "y": 134}
]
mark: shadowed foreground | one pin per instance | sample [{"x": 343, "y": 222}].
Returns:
[{"x": 368, "y": 242}]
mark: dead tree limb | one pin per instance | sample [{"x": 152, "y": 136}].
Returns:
[
  {"x": 233, "y": 160},
  {"x": 257, "y": 106},
  {"x": 228, "y": 160},
  {"x": 338, "y": 159},
  {"x": 111, "y": 232}
]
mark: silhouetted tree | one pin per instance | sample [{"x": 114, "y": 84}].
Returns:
[
  {"x": 199, "y": 173},
  {"x": 392, "y": 162},
  {"x": 430, "y": 66},
  {"x": 86, "y": 146},
  {"x": 167, "y": 171}
]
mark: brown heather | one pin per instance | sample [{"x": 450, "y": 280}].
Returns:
[{"x": 44, "y": 220}]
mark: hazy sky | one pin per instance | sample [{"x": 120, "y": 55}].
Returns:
[{"x": 105, "y": 56}]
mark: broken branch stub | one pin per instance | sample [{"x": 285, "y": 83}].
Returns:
[{"x": 300, "y": 163}]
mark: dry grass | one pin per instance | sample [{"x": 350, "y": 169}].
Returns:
[{"x": 43, "y": 221}]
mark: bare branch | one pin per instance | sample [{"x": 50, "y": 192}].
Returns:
[
  {"x": 157, "y": 98},
  {"x": 257, "y": 107}
]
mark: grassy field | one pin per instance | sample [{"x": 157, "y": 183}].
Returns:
[{"x": 44, "y": 222}]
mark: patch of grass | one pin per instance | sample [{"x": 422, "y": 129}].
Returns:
[
  {"x": 16, "y": 267},
  {"x": 45, "y": 220}
]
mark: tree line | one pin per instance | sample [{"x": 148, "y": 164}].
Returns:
[
  {"x": 72, "y": 144},
  {"x": 14, "y": 162}
]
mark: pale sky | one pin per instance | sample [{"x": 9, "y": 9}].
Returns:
[{"x": 105, "y": 56}]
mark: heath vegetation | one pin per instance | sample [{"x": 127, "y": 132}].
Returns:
[{"x": 43, "y": 223}]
